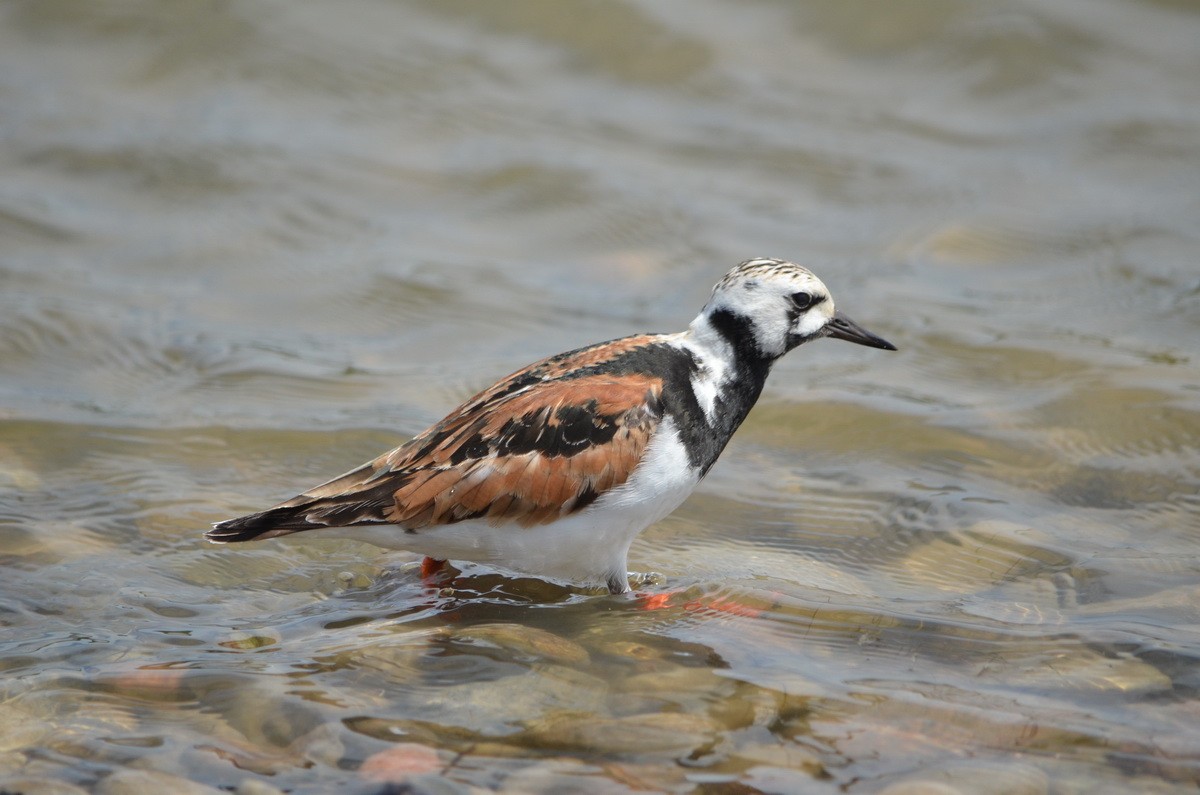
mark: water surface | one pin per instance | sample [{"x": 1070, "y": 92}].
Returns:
[{"x": 246, "y": 246}]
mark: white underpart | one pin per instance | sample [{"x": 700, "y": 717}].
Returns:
[{"x": 589, "y": 546}]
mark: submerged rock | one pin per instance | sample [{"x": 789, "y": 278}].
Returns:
[
  {"x": 401, "y": 762},
  {"x": 653, "y": 733},
  {"x": 524, "y": 641},
  {"x": 1078, "y": 668},
  {"x": 973, "y": 778},
  {"x": 38, "y": 786},
  {"x": 143, "y": 782}
]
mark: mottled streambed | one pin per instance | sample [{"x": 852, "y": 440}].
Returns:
[{"x": 246, "y": 246}]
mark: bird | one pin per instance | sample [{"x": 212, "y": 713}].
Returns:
[{"x": 554, "y": 470}]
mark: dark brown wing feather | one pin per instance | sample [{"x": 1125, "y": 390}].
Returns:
[{"x": 538, "y": 445}]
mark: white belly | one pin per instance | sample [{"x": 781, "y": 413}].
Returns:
[{"x": 588, "y": 546}]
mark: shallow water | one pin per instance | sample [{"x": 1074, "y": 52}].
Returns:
[{"x": 244, "y": 247}]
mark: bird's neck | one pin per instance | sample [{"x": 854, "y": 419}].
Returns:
[{"x": 730, "y": 368}]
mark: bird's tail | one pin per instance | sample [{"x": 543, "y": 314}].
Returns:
[
  {"x": 310, "y": 511},
  {"x": 273, "y": 522}
]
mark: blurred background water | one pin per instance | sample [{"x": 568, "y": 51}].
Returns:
[{"x": 245, "y": 246}]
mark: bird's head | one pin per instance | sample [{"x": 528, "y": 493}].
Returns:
[{"x": 773, "y": 305}]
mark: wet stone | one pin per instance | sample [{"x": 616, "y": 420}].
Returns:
[
  {"x": 675, "y": 681},
  {"x": 651, "y": 776},
  {"x": 264, "y": 715},
  {"x": 633, "y": 650},
  {"x": 323, "y": 745},
  {"x": 431, "y": 784},
  {"x": 562, "y": 775},
  {"x": 523, "y": 641},
  {"x": 245, "y": 641},
  {"x": 1183, "y": 601},
  {"x": 38, "y": 786},
  {"x": 975, "y": 778},
  {"x": 1035, "y": 601},
  {"x": 397, "y": 657},
  {"x": 253, "y": 786},
  {"x": 777, "y": 779},
  {"x": 781, "y": 755},
  {"x": 19, "y": 729},
  {"x": 1083, "y": 669},
  {"x": 919, "y": 787},
  {"x": 11, "y": 762},
  {"x": 150, "y": 684},
  {"x": 981, "y": 557},
  {"x": 142, "y": 782},
  {"x": 693, "y": 690},
  {"x": 14, "y": 474},
  {"x": 490, "y": 705},
  {"x": 400, "y": 762},
  {"x": 748, "y": 706},
  {"x": 390, "y": 730},
  {"x": 653, "y": 733}
]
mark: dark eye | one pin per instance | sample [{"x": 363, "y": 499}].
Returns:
[{"x": 802, "y": 300}]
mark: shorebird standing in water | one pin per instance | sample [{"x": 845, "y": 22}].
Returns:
[{"x": 554, "y": 470}]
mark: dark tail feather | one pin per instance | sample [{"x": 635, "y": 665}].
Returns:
[
  {"x": 306, "y": 512},
  {"x": 279, "y": 521}
]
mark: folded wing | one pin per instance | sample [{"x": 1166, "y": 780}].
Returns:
[{"x": 526, "y": 451}]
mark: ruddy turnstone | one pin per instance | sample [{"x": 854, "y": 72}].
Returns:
[{"x": 554, "y": 470}]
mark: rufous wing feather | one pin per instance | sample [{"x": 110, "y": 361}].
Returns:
[{"x": 527, "y": 455}]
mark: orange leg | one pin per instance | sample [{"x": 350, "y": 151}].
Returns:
[
  {"x": 430, "y": 567},
  {"x": 720, "y": 604},
  {"x": 655, "y": 601}
]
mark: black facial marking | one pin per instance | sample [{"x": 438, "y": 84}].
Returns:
[
  {"x": 795, "y": 310},
  {"x": 738, "y": 331}
]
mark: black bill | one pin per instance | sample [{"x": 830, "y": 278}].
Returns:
[{"x": 843, "y": 328}]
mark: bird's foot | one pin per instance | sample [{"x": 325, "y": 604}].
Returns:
[
  {"x": 627, "y": 582},
  {"x": 645, "y": 578},
  {"x": 651, "y": 601}
]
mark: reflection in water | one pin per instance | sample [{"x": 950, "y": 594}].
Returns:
[{"x": 243, "y": 245}]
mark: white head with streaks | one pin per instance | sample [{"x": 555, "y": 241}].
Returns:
[{"x": 766, "y": 307}]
